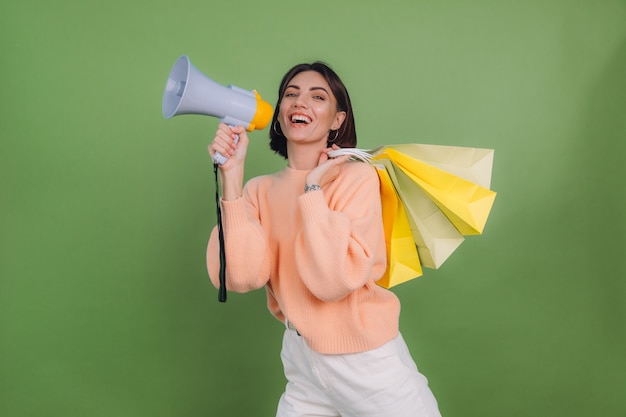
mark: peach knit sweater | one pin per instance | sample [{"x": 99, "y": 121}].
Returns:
[{"x": 317, "y": 254}]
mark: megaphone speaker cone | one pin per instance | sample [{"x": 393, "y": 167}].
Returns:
[{"x": 175, "y": 86}]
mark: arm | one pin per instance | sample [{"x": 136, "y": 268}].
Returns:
[
  {"x": 247, "y": 265},
  {"x": 341, "y": 245},
  {"x": 247, "y": 259}
]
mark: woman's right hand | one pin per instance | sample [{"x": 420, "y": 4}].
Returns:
[
  {"x": 226, "y": 143},
  {"x": 231, "y": 172}
]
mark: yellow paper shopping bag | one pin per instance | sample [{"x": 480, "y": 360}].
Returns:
[
  {"x": 466, "y": 204},
  {"x": 443, "y": 190},
  {"x": 472, "y": 164},
  {"x": 435, "y": 236},
  {"x": 403, "y": 263}
]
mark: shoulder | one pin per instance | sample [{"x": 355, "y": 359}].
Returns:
[
  {"x": 359, "y": 167},
  {"x": 259, "y": 181},
  {"x": 357, "y": 176},
  {"x": 359, "y": 171},
  {"x": 257, "y": 186},
  {"x": 357, "y": 185}
]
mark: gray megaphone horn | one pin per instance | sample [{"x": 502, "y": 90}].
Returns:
[{"x": 189, "y": 91}]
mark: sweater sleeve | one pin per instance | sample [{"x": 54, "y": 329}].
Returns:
[
  {"x": 341, "y": 245},
  {"x": 247, "y": 261}
]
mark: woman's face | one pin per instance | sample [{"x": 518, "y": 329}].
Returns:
[{"x": 308, "y": 109}]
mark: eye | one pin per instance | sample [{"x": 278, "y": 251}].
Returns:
[
  {"x": 318, "y": 97},
  {"x": 290, "y": 92}
]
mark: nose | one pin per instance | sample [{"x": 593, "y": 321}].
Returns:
[{"x": 300, "y": 101}]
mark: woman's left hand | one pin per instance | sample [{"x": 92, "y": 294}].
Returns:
[{"x": 327, "y": 168}]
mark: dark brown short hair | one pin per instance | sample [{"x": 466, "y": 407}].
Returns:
[{"x": 346, "y": 135}]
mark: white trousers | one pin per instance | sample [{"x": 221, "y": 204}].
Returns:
[{"x": 383, "y": 382}]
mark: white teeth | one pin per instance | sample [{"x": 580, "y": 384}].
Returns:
[{"x": 300, "y": 118}]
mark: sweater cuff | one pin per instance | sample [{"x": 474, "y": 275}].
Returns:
[
  {"x": 313, "y": 205},
  {"x": 233, "y": 212}
]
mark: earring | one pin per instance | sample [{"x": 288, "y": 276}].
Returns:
[
  {"x": 335, "y": 138},
  {"x": 276, "y": 130}
]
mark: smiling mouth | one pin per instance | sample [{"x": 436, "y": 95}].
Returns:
[{"x": 300, "y": 119}]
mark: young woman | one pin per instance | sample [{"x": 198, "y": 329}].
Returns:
[{"x": 312, "y": 235}]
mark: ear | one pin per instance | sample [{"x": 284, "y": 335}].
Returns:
[{"x": 339, "y": 118}]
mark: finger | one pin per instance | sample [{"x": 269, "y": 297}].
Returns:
[
  {"x": 223, "y": 143},
  {"x": 240, "y": 134},
  {"x": 224, "y": 129},
  {"x": 227, "y": 133},
  {"x": 237, "y": 129}
]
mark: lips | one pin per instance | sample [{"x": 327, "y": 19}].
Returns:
[{"x": 298, "y": 118}]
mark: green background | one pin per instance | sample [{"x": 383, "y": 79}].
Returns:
[{"x": 106, "y": 207}]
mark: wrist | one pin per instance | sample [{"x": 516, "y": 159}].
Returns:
[
  {"x": 311, "y": 187},
  {"x": 232, "y": 184}
]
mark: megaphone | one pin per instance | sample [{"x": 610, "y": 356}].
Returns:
[{"x": 189, "y": 91}]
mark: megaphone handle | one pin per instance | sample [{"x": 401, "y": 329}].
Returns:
[{"x": 220, "y": 159}]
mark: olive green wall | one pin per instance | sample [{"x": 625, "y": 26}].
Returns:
[{"x": 106, "y": 207}]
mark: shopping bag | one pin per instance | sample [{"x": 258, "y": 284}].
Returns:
[
  {"x": 445, "y": 191},
  {"x": 473, "y": 164},
  {"x": 434, "y": 235},
  {"x": 403, "y": 262},
  {"x": 466, "y": 204}
]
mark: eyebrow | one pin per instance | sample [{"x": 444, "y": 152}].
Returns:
[{"x": 311, "y": 89}]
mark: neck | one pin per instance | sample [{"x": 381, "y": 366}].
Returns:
[{"x": 303, "y": 157}]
